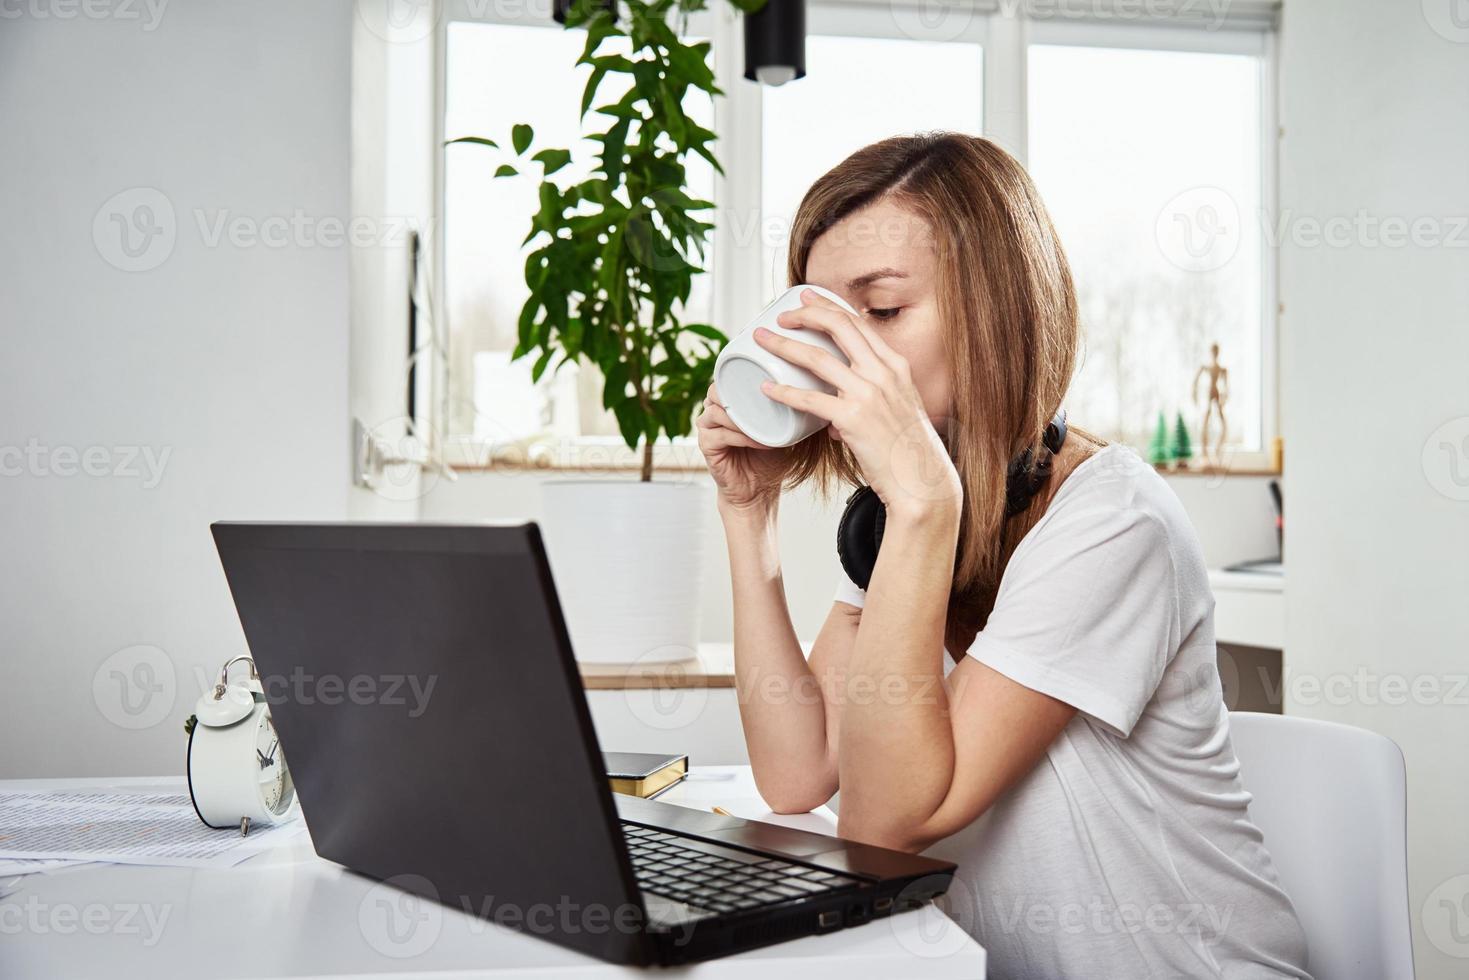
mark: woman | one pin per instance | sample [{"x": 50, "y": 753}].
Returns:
[{"x": 1072, "y": 749}]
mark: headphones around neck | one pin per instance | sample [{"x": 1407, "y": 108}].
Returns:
[{"x": 859, "y": 533}]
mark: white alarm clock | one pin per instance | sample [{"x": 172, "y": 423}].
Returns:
[{"x": 237, "y": 771}]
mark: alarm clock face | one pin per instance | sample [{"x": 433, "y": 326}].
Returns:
[{"x": 276, "y": 790}]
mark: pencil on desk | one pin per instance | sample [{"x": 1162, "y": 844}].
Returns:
[{"x": 721, "y": 811}]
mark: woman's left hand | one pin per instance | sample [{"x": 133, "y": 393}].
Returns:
[{"x": 877, "y": 410}]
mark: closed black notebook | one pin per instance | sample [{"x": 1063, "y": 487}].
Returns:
[{"x": 643, "y": 774}]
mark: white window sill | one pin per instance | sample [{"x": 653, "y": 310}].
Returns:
[
  {"x": 608, "y": 454},
  {"x": 584, "y": 454}
]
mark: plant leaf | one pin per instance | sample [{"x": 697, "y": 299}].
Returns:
[
  {"x": 614, "y": 387},
  {"x": 598, "y": 31},
  {"x": 705, "y": 330},
  {"x": 590, "y": 92},
  {"x": 703, "y": 151},
  {"x": 553, "y": 160},
  {"x": 630, "y": 421},
  {"x": 539, "y": 368},
  {"x": 527, "y": 320},
  {"x": 474, "y": 139},
  {"x": 614, "y": 144},
  {"x": 520, "y": 137},
  {"x": 505, "y": 170}
]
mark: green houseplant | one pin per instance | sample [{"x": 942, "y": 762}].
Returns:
[
  {"x": 610, "y": 263},
  {"x": 613, "y": 256}
]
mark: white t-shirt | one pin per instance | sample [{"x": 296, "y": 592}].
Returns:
[{"x": 1128, "y": 852}]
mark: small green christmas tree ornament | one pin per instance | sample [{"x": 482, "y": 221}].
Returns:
[
  {"x": 1183, "y": 449},
  {"x": 1159, "y": 453}
]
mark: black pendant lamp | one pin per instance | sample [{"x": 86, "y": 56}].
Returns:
[
  {"x": 775, "y": 42},
  {"x": 560, "y": 8}
]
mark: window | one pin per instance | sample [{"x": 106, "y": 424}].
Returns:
[
  {"x": 858, "y": 90},
  {"x": 491, "y": 398},
  {"x": 1150, "y": 164},
  {"x": 1151, "y": 144}
]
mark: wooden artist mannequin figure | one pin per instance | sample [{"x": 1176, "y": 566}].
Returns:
[{"x": 1218, "y": 376}]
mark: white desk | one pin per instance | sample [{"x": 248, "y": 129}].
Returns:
[
  {"x": 288, "y": 913},
  {"x": 1249, "y": 608}
]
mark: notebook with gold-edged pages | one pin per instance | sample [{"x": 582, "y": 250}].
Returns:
[{"x": 644, "y": 774}]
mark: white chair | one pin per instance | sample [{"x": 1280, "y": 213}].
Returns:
[{"x": 1332, "y": 803}]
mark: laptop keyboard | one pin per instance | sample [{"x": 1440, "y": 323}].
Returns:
[{"x": 717, "y": 878}]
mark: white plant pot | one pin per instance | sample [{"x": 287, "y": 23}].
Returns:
[{"x": 627, "y": 558}]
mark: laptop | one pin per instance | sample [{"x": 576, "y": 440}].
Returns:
[{"x": 422, "y": 682}]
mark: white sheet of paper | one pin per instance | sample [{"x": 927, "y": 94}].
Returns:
[
  {"x": 124, "y": 828},
  {"x": 28, "y": 866},
  {"x": 714, "y": 789}
]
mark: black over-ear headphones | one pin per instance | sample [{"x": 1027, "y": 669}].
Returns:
[{"x": 859, "y": 534}]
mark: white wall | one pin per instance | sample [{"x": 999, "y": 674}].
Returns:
[
  {"x": 231, "y": 358},
  {"x": 1375, "y": 343}
]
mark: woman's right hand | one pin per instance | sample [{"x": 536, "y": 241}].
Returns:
[{"x": 746, "y": 473}]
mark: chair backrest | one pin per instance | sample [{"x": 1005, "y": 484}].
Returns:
[{"x": 1331, "y": 801}]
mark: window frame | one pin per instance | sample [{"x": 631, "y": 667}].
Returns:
[{"x": 737, "y": 248}]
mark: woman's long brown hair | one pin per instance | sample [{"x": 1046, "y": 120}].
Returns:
[{"x": 1008, "y": 309}]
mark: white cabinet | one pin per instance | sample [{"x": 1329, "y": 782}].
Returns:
[{"x": 1249, "y": 608}]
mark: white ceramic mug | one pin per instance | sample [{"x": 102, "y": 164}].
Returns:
[{"x": 744, "y": 364}]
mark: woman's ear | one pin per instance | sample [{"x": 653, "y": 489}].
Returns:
[{"x": 831, "y": 430}]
